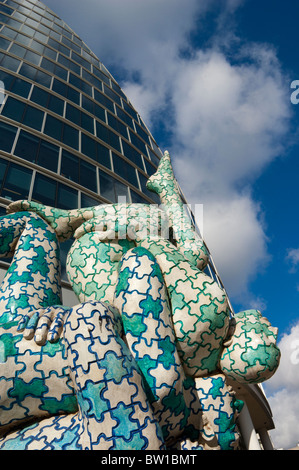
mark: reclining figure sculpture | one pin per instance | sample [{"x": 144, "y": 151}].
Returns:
[{"x": 147, "y": 357}]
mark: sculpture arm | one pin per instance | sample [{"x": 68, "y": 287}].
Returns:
[{"x": 64, "y": 222}]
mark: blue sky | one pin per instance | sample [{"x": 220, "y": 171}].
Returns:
[{"x": 211, "y": 79}]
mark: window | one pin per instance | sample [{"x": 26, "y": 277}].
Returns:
[
  {"x": 150, "y": 169},
  {"x": 10, "y": 63},
  {"x": 53, "y": 127},
  {"x": 87, "y": 201},
  {"x": 48, "y": 155},
  {"x": 40, "y": 96},
  {"x": 117, "y": 125},
  {"x": 17, "y": 183},
  {"x": 137, "y": 142},
  {"x": 107, "y": 136},
  {"x": 4, "y": 43},
  {"x": 88, "y": 176},
  {"x": 7, "y": 136},
  {"x": 3, "y": 166},
  {"x": 132, "y": 154},
  {"x": 67, "y": 198},
  {"x": 137, "y": 199},
  {"x": 56, "y": 105},
  {"x": 14, "y": 109},
  {"x": 88, "y": 147},
  {"x": 27, "y": 146},
  {"x": 103, "y": 155},
  {"x": 20, "y": 87},
  {"x": 153, "y": 157},
  {"x": 102, "y": 99},
  {"x": 44, "y": 190},
  {"x": 26, "y": 114},
  {"x": 125, "y": 170},
  {"x": 107, "y": 189},
  {"x": 70, "y": 166},
  {"x": 70, "y": 136},
  {"x": 18, "y": 50},
  {"x": 112, "y": 95}
]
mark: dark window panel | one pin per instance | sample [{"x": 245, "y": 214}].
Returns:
[
  {"x": 14, "y": 109},
  {"x": 7, "y": 136},
  {"x": 21, "y": 88},
  {"x": 67, "y": 198},
  {"x": 124, "y": 116},
  {"x": 40, "y": 96},
  {"x": 130, "y": 111},
  {"x": 43, "y": 79},
  {"x": 153, "y": 157},
  {"x": 87, "y": 123},
  {"x": 70, "y": 166},
  {"x": 3, "y": 168},
  {"x": 102, "y": 99},
  {"x": 88, "y": 147},
  {"x": 132, "y": 154},
  {"x": 17, "y": 183},
  {"x": 28, "y": 71},
  {"x": 73, "y": 95},
  {"x": 103, "y": 155},
  {"x": 53, "y": 127},
  {"x": 4, "y": 43},
  {"x": 138, "y": 142},
  {"x": 88, "y": 176},
  {"x": 70, "y": 136},
  {"x": 32, "y": 57},
  {"x": 117, "y": 125},
  {"x": 48, "y": 155},
  {"x": 125, "y": 170},
  {"x": 10, "y": 63},
  {"x": 73, "y": 114},
  {"x": 150, "y": 169},
  {"x": 33, "y": 118},
  {"x": 56, "y": 105},
  {"x": 27, "y": 146},
  {"x": 107, "y": 188},
  {"x": 87, "y": 201},
  {"x": 60, "y": 88},
  {"x": 18, "y": 50},
  {"x": 137, "y": 199},
  {"x": 44, "y": 190},
  {"x": 100, "y": 113}
]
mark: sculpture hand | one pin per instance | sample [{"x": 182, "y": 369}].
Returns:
[{"x": 43, "y": 324}]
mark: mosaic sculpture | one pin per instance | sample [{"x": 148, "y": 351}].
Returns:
[{"x": 143, "y": 360}]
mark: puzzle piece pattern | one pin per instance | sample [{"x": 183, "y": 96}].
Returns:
[
  {"x": 114, "y": 412},
  {"x": 141, "y": 298},
  {"x": 252, "y": 355},
  {"x": 141, "y": 378}
]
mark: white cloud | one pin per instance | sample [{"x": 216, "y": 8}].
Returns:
[
  {"x": 282, "y": 392},
  {"x": 293, "y": 258}
]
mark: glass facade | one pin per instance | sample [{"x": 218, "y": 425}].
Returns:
[{"x": 69, "y": 137}]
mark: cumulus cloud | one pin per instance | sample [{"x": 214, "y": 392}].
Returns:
[{"x": 282, "y": 392}]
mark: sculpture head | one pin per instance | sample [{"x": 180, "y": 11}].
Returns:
[{"x": 251, "y": 354}]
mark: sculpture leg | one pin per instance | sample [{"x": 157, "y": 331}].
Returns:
[
  {"x": 33, "y": 380},
  {"x": 141, "y": 298},
  {"x": 114, "y": 413}
]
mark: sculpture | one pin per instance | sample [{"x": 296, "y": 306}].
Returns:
[{"x": 139, "y": 361}]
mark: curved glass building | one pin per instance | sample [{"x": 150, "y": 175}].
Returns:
[{"x": 69, "y": 137}]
